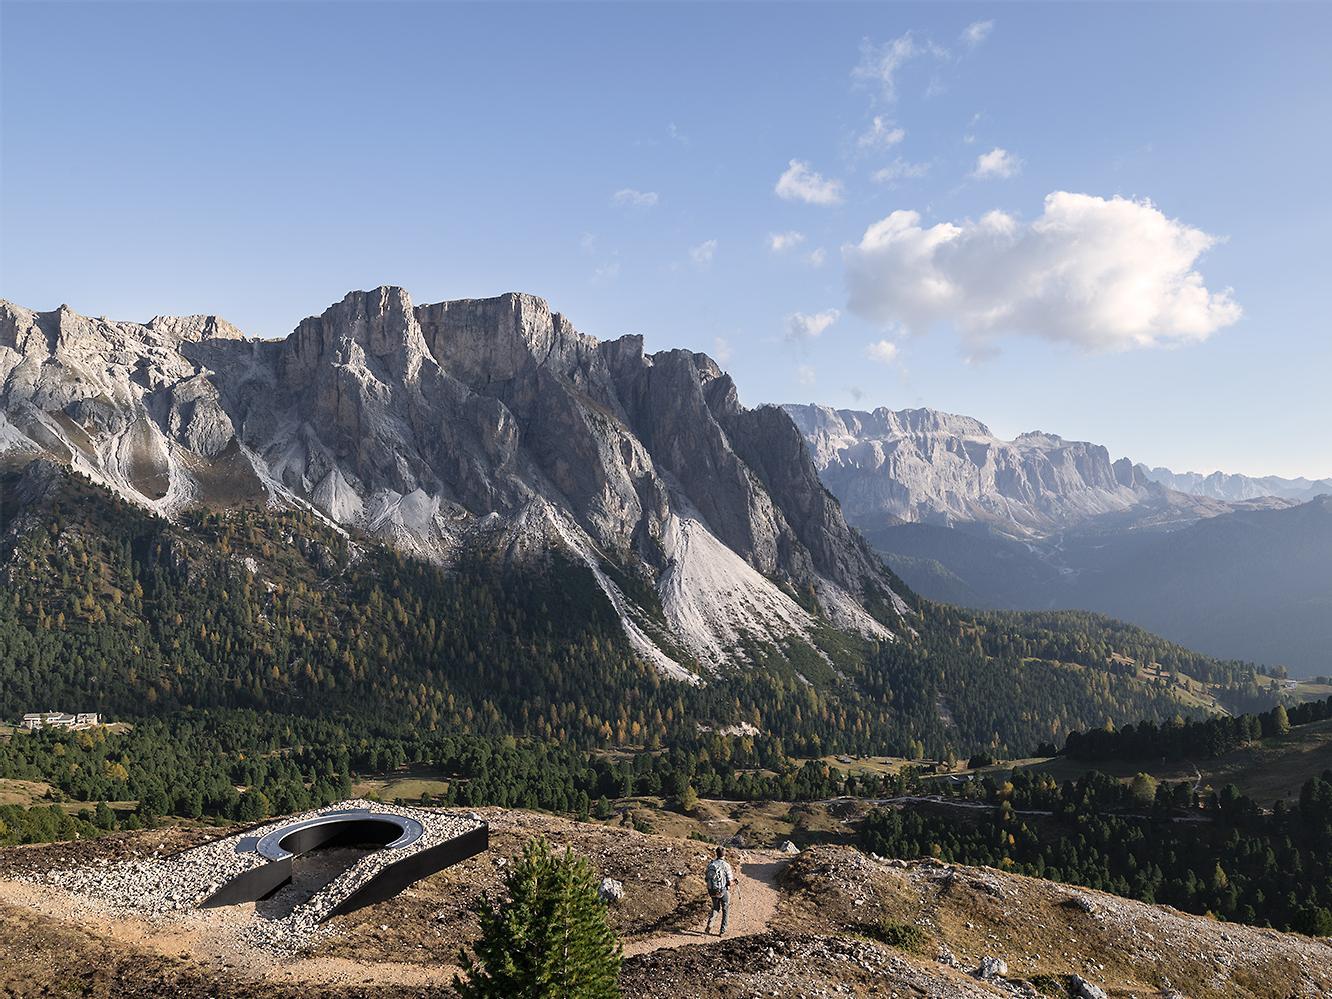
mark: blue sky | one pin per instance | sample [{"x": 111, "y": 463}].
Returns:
[{"x": 626, "y": 162}]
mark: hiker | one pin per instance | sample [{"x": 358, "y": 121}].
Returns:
[{"x": 719, "y": 878}]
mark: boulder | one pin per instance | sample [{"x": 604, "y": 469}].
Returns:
[
  {"x": 610, "y": 891},
  {"x": 992, "y": 967},
  {"x": 1084, "y": 989}
]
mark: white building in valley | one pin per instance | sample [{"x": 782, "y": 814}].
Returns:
[{"x": 59, "y": 719}]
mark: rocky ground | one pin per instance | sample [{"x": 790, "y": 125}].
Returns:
[
  {"x": 826, "y": 922},
  {"x": 172, "y": 883}
]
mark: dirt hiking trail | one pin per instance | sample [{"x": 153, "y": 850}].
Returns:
[{"x": 753, "y": 904}]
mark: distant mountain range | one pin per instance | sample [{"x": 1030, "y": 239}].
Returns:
[
  {"x": 1224, "y": 486},
  {"x": 1230, "y": 564}
]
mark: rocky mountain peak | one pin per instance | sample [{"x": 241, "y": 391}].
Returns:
[
  {"x": 480, "y": 424},
  {"x": 195, "y": 328},
  {"x": 376, "y": 326},
  {"x": 492, "y": 339}
]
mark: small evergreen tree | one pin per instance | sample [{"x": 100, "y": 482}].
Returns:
[
  {"x": 549, "y": 940},
  {"x": 1280, "y": 720}
]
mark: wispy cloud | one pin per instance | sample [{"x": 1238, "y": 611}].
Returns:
[
  {"x": 880, "y": 64},
  {"x": 676, "y": 135},
  {"x": 900, "y": 169},
  {"x": 703, "y": 253},
  {"x": 996, "y": 163},
  {"x": 800, "y": 183},
  {"x": 630, "y": 198},
  {"x": 817, "y": 257},
  {"x": 970, "y": 135},
  {"x": 882, "y": 351},
  {"x": 976, "y": 32},
  {"x": 779, "y": 242},
  {"x": 806, "y": 375},
  {"x": 721, "y": 350},
  {"x": 802, "y": 326},
  {"x": 881, "y": 134}
]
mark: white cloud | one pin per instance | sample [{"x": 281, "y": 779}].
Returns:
[
  {"x": 780, "y": 241},
  {"x": 817, "y": 256},
  {"x": 996, "y": 163},
  {"x": 881, "y": 134},
  {"x": 703, "y": 253},
  {"x": 721, "y": 350},
  {"x": 900, "y": 169},
  {"x": 676, "y": 135},
  {"x": 1097, "y": 273},
  {"x": 805, "y": 374},
  {"x": 976, "y": 32},
  {"x": 588, "y": 241},
  {"x": 883, "y": 351},
  {"x": 800, "y": 183},
  {"x": 630, "y": 198},
  {"x": 807, "y": 326},
  {"x": 879, "y": 64}
]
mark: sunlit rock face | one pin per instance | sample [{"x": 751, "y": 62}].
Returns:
[{"x": 442, "y": 429}]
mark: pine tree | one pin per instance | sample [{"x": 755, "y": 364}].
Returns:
[
  {"x": 549, "y": 940},
  {"x": 1280, "y": 720}
]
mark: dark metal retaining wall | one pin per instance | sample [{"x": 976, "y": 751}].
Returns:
[
  {"x": 417, "y": 867},
  {"x": 261, "y": 882}
]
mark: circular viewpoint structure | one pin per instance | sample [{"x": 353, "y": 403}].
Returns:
[{"x": 410, "y": 845}]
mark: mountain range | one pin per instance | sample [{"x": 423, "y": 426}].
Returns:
[
  {"x": 446, "y": 429},
  {"x": 1229, "y": 486},
  {"x": 468, "y": 514},
  {"x": 1229, "y": 564}
]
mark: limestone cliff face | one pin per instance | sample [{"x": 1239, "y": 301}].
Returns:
[
  {"x": 443, "y": 428},
  {"x": 921, "y": 465}
]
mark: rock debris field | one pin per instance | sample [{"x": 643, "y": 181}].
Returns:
[{"x": 167, "y": 887}]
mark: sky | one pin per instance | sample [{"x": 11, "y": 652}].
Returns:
[{"x": 1106, "y": 222}]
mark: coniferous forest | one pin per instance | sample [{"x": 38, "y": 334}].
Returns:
[
  {"x": 107, "y": 608},
  {"x": 1219, "y": 854}
]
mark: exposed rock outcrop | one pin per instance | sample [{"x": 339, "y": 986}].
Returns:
[
  {"x": 475, "y": 423},
  {"x": 924, "y": 466}
]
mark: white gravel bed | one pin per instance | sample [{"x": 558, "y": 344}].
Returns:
[{"x": 166, "y": 887}]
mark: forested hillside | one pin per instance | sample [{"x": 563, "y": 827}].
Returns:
[
  {"x": 1219, "y": 854},
  {"x": 109, "y": 608}
]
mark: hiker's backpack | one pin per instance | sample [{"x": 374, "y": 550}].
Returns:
[{"x": 716, "y": 878}]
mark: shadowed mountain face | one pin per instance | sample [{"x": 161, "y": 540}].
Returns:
[
  {"x": 1253, "y": 584},
  {"x": 1231, "y": 565},
  {"x": 478, "y": 425}
]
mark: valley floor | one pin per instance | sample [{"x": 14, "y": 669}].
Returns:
[{"x": 808, "y": 925}]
